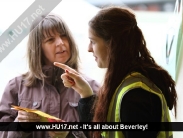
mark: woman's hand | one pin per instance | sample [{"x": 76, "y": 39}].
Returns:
[
  {"x": 71, "y": 78},
  {"x": 58, "y": 134},
  {"x": 24, "y": 116}
]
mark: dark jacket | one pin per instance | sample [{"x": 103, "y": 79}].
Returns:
[{"x": 53, "y": 98}]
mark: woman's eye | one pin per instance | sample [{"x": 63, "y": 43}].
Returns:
[
  {"x": 49, "y": 40},
  {"x": 91, "y": 42}
]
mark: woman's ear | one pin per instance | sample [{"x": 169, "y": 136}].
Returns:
[{"x": 109, "y": 42}]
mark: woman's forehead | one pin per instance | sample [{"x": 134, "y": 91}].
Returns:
[{"x": 50, "y": 32}]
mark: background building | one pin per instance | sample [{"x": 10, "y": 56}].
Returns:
[{"x": 145, "y": 5}]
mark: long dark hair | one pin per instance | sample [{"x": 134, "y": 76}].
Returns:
[{"x": 127, "y": 53}]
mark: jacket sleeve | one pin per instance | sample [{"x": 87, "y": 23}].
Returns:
[
  {"x": 10, "y": 97},
  {"x": 85, "y": 110},
  {"x": 139, "y": 105},
  {"x": 85, "y": 104}
]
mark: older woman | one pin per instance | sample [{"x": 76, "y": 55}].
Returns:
[{"x": 41, "y": 87}]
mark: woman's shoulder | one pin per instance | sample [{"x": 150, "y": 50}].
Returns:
[
  {"x": 13, "y": 84},
  {"x": 93, "y": 83},
  {"x": 18, "y": 79},
  {"x": 89, "y": 79}
]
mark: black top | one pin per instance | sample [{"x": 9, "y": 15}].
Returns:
[{"x": 137, "y": 105}]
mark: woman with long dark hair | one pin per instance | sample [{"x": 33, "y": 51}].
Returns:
[{"x": 135, "y": 88}]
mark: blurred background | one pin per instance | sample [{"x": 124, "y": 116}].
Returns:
[
  {"x": 139, "y": 5},
  {"x": 160, "y": 21}
]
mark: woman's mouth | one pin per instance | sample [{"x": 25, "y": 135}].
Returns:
[{"x": 60, "y": 52}]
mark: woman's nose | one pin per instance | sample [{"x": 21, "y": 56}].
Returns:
[
  {"x": 59, "y": 41},
  {"x": 90, "y": 49}
]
